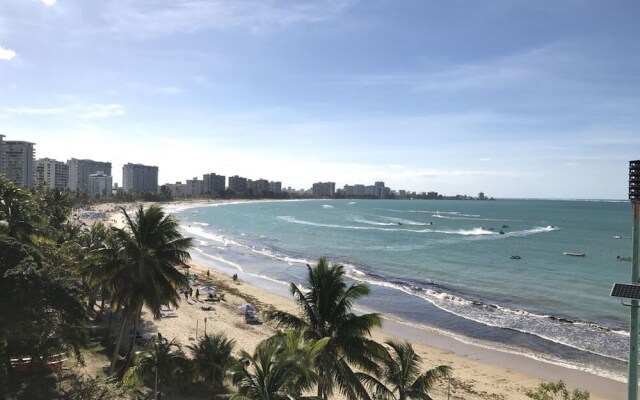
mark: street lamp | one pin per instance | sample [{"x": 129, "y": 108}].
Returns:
[{"x": 632, "y": 291}]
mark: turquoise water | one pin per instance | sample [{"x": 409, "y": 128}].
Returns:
[{"x": 445, "y": 264}]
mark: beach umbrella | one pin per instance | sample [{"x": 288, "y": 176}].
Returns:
[
  {"x": 247, "y": 308},
  {"x": 207, "y": 289}
]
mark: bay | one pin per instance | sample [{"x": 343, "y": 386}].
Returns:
[{"x": 449, "y": 265}]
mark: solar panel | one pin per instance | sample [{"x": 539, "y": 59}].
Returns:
[{"x": 626, "y": 291}]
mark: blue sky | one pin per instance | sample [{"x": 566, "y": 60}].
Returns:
[{"x": 513, "y": 98}]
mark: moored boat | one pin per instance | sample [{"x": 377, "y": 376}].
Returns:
[{"x": 568, "y": 253}]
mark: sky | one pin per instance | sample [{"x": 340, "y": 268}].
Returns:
[{"x": 528, "y": 99}]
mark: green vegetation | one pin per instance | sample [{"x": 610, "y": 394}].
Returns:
[
  {"x": 402, "y": 374},
  {"x": 213, "y": 358},
  {"x": 556, "y": 391},
  {"x": 57, "y": 279},
  {"x": 326, "y": 313}
]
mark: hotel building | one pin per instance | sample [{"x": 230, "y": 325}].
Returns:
[
  {"x": 138, "y": 178},
  {"x": 52, "y": 173},
  {"x": 237, "y": 184},
  {"x": 79, "y": 171},
  {"x": 323, "y": 189},
  {"x": 214, "y": 184},
  {"x": 18, "y": 162},
  {"x": 100, "y": 184}
]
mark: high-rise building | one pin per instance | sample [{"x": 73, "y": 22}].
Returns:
[
  {"x": 100, "y": 184},
  {"x": 177, "y": 189},
  {"x": 214, "y": 184},
  {"x": 79, "y": 171},
  {"x": 18, "y": 162},
  {"x": 275, "y": 187},
  {"x": 259, "y": 187},
  {"x": 237, "y": 184},
  {"x": 195, "y": 187},
  {"x": 380, "y": 190},
  {"x": 324, "y": 189},
  {"x": 52, "y": 173},
  {"x": 138, "y": 178}
]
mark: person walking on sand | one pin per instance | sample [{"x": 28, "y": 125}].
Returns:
[
  {"x": 191, "y": 292},
  {"x": 198, "y": 294},
  {"x": 207, "y": 273}
]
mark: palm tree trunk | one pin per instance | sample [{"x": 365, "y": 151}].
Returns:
[
  {"x": 116, "y": 350},
  {"x": 135, "y": 329},
  {"x": 103, "y": 295}
]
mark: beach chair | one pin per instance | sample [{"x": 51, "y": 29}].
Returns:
[{"x": 168, "y": 314}]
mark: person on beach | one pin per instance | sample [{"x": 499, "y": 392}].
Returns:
[
  {"x": 198, "y": 294},
  {"x": 191, "y": 292},
  {"x": 207, "y": 273}
]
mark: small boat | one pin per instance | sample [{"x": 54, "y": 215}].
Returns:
[
  {"x": 505, "y": 226},
  {"x": 567, "y": 253},
  {"x": 617, "y": 237},
  {"x": 515, "y": 257},
  {"x": 623, "y": 258}
]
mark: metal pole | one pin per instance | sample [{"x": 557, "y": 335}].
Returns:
[{"x": 633, "y": 329}]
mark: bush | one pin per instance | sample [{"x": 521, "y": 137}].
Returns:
[{"x": 556, "y": 391}]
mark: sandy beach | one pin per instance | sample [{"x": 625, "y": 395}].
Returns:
[{"x": 478, "y": 373}]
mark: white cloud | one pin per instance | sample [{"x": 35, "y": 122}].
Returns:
[
  {"x": 85, "y": 111},
  {"x": 146, "y": 19},
  {"x": 49, "y": 3},
  {"x": 6, "y": 54}
]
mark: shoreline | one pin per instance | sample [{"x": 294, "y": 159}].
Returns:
[{"x": 487, "y": 373}]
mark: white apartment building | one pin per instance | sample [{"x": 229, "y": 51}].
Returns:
[
  {"x": 177, "y": 189},
  {"x": 138, "y": 178},
  {"x": 18, "y": 162},
  {"x": 52, "y": 173},
  {"x": 100, "y": 184},
  {"x": 79, "y": 171},
  {"x": 195, "y": 187}
]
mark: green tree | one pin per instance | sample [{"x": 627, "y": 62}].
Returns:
[
  {"x": 556, "y": 391},
  {"x": 212, "y": 358},
  {"x": 163, "y": 362},
  {"x": 326, "y": 313},
  {"x": 55, "y": 205},
  {"x": 74, "y": 387},
  {"x": 19, "y": 213},
  {"x": 42, "y": 313},
  {"x": 280, "y": 368},
  {"x": 401, "y": 372},
  {"x": 139, "y": 266}
]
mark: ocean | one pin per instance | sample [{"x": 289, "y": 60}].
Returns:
[{"x": 448, "y": 266}]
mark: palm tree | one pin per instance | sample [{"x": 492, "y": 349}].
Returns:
[
  {"x": 139, "y": 266},
  {"x": 281, "y": 368},
  {"x": 212, "y": 359},
  {"x": 326, "y": 313},
  {"x": 402, "y": 374},
  {"x": 18, "y": 211},
  {"x": 163, "y": 360}
]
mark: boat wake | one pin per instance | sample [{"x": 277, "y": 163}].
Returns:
[{"x": 478, "y": 231}]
